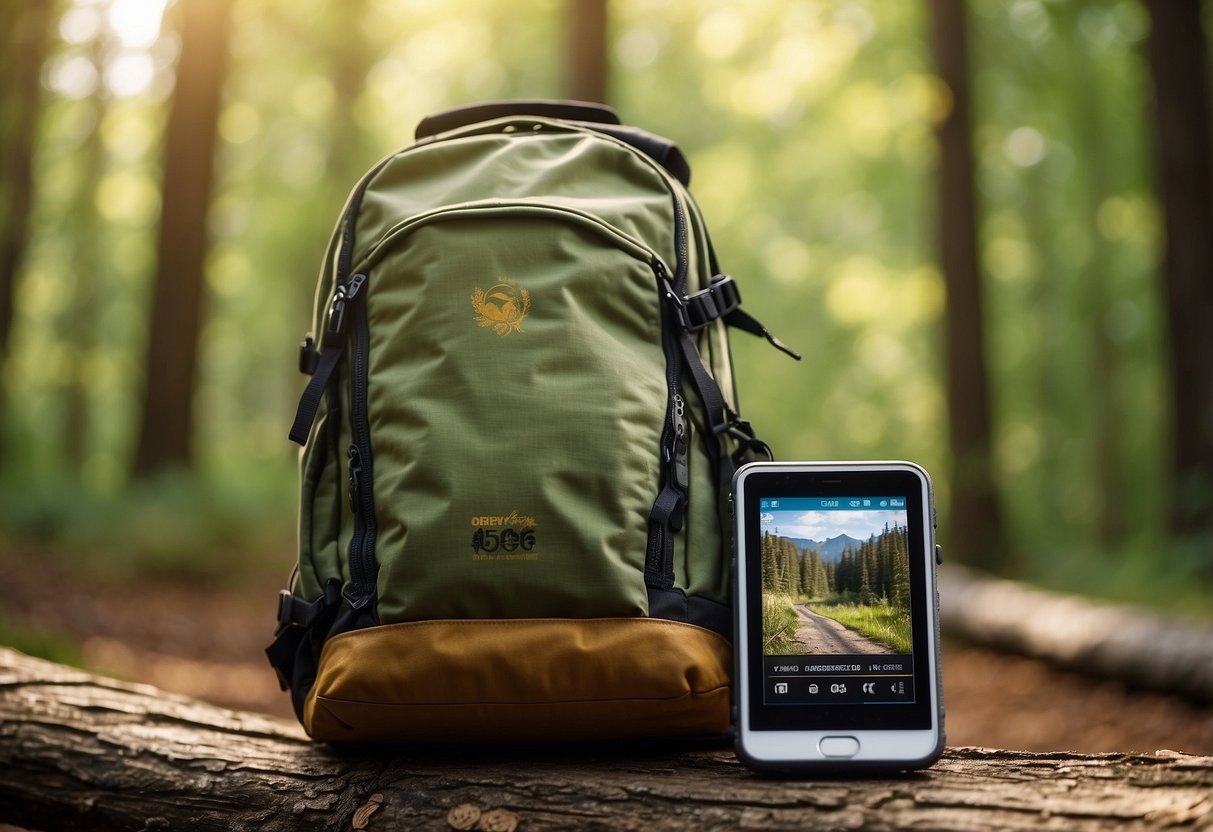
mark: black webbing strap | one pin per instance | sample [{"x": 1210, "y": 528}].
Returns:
[
  {"x": 293, "y": 611},
  {"x": 330, "y": 356},
  {"x": 706, "y": 387},
  {"x": 309, "y": 402},
  {"x": 748, "y": 323},
  {"x": 721, "y": 300},
  {"x": 721, "y": 419},
  {"x": 302, "y": 629},
  {"x": 667, "y": 513}
]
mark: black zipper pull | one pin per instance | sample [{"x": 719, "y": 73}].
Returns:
[
  {"x": 334, "y": 333},
  {"x": 354, "y": 463},
  {"x": 679, "y": 471},
  {"x": 678, "y": 478}
]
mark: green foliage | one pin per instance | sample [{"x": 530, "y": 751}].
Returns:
[
  {"x": 778, "y": 625},
  {"x": 809, "y": 128},
  {"x": 176, "y": 525},
  {"x": 809, "y": 132},
  {"x": 877, "y": 571},
  {"x": 52, "y": 646}
]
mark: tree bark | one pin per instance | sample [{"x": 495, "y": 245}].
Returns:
[
  {"x": 166, "y": 426},
  {"x": 586, "y": 50},
  {"x": 79, "y": 751},
  {"x": 975, "y": 521},
  {"x": 20, "y": 75},
  {"x": 1103, "y": 640},
  {"x": 1179, "y": 70}
]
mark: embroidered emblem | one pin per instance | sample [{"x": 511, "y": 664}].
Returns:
[{"x": 502, "y": 307}]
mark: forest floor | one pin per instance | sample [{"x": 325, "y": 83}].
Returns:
[{"x": 207, "y": 641}]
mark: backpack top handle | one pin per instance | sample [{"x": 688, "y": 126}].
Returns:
[
  {"x": 457, "y": 117},
  {"x": 598, "y": 117}
]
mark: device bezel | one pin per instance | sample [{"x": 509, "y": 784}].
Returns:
[{"x": 783, "y": 736}]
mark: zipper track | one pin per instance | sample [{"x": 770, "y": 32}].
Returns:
[
  {"x": 363, "y": 569},
  {"x": 512, "y": 209},
  {"x": 660, "y": 555}
]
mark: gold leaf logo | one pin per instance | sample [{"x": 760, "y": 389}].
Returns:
[{"x": 502, "y": 307}]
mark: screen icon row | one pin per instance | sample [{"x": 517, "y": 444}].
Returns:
[{"x": 853, "y": 689}]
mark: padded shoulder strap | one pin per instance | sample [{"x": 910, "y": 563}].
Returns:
[{"x": 661, "y": 150}]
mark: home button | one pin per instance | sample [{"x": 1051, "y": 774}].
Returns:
[{"x": 838, "y": 746}]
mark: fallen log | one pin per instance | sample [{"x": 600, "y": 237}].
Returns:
[
  {"x": 1109, "y": 641},
  {"x": 79, "y": 751}
]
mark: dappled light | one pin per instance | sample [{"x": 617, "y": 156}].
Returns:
[
  {"x": 815, "y": 133},
  {"x": 809, "y": 129}
]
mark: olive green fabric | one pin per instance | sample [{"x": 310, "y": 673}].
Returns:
[
  {"x": 549, "y": 422},
  {"x": 553, "y": 418}
]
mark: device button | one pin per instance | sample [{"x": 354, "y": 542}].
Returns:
[
  {"x": 938, "y": 554},
  {"x": 838, "y": 746}
]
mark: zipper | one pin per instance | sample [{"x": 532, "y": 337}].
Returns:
[
  {"x": 513, "y": 210},
  {"x": 669, "y": 509},
  {"x": 363, "y": 569}
]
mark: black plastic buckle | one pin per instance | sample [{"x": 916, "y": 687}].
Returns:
[
  {"x": 716, "y": 301},
  {"x": 286, "y": 610},
  {"x": 309, "y": 356},
  {"x": 336, "y": 326},
  {"x": 293, "y": 611}
]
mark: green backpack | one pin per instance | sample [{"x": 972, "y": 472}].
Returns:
[{"x": 519, "y": 429}]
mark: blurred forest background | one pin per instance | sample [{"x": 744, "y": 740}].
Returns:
[{"x": 987, "y": 225}]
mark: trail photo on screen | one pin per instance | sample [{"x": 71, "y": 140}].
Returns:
[{"x": 835, "y": 580}]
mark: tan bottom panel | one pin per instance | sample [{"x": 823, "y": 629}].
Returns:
[{"x": 520, "y": 680}]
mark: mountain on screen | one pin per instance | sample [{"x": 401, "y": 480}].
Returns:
[{"x": 829, "y": 550}]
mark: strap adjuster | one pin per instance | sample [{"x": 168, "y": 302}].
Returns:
[
  {"x": 719, "y": 299},
  {"x": 309, "y": 356},
  {"x": 287, "y": 604},
  {"x": 293, "y": 611}
]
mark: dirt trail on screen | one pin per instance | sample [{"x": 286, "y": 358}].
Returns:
[{"x": 820, "y": 635}]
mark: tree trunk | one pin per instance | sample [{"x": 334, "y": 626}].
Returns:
[
  {"x": 1178, "y": 67},
  {"x": 77, "y": 325},
  {"x": 976, "y": 532},
  {"x": 167, "y": 421},
  {"x": 586, "y": 56},
  {"x": 1103, "y": 640},
  {"x": 20, "y": 75},
  {"x": 1095, "y": 182},
  {"x": 78, "y": 751}
]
